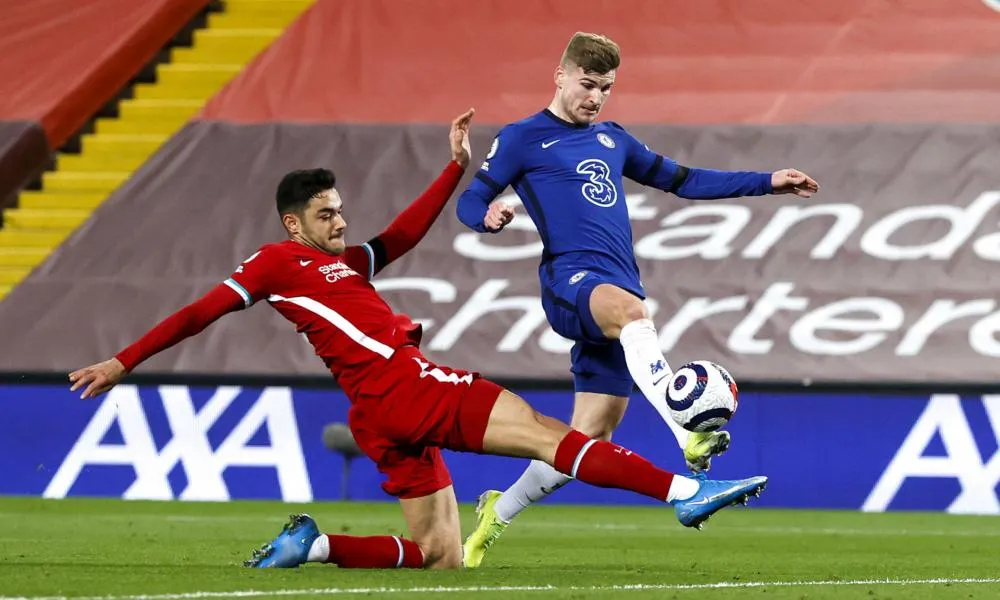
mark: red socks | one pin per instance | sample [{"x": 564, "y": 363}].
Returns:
[
  {"x": 592, "y": 461},
  {"x": 609, "y": 465},
  {"x": 376, "y": 552}
]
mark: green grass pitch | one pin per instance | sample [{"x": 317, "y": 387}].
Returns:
[{"x": 178, "y": 551}]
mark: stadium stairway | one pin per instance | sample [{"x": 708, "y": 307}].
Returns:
[{"x": 119, "y": 146}]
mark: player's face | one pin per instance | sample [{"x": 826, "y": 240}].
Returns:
[
  {"x": 581, "y": 94},
  {"x": 323, "y": 224}
]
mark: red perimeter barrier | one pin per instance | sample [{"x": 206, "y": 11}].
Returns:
[
  {"x": 711, "y": 61},
  {"x": 61, "y": 60}
]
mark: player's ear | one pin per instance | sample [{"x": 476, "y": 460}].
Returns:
[
  {"x": 559, "y": 76},
  {"x": 291, "y": 222}
]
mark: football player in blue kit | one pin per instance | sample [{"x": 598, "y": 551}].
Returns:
[{"x": 567, "y": 168}]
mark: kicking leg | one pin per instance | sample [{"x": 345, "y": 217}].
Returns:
[{"x": 623, "y": 316}]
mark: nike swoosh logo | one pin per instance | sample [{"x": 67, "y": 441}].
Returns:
[
  {"x": 657, "y": 382},
  {"x": 547, "y": 144},
  {"x": 708, "y": 499},
  {"x": 305, "y": 263}
]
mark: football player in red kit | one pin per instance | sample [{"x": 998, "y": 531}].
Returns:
[{"x": 404, "y": 408}]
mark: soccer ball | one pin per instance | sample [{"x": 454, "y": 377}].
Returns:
[{"x": 702, "y": 396}]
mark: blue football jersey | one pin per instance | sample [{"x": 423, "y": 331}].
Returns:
[{"x": 570, "y": 180}]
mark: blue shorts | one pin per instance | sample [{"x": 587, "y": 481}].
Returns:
[{"x": 598, "y": 363}]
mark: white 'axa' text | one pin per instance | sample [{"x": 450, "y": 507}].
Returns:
[
  {"x": 978, "y": 475},
  {"x": 189, "y": 445}
]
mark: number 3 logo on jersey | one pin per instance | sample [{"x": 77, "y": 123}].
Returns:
[{"x": 600, "y": 190}]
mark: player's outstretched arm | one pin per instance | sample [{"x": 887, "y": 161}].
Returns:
[
  {"x": 407, "y": 229},
  {"x": 708, "y": 184},
  {"x": 188, "y": 321},
  {"x": 655, "y": 170}
]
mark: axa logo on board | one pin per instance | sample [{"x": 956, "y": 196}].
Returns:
[
  {"x": 940, "y": 445},
  {"x": 978, "y": 474},
  {"x": 188, "y": 446}
]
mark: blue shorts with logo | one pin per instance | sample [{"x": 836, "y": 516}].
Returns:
[{"x": 598, "y": 363}]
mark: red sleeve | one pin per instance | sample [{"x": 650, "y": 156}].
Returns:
[
  {"x": 255, "y": 278},
  {"x": 186, "y": 322},
  {"x": 407, "y": 229},
  {"x": 251, "y": 281}
]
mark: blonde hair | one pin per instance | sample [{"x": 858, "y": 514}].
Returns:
[{"x": 592, "y": 52}]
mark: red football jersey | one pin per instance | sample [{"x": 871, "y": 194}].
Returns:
[
  {"x": 331, "y": 300},
  {"x": 328, "y": 298}
]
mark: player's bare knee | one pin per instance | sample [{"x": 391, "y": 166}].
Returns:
[
  {"x": 633, "y": 310},
  {"x": 613, "y": 308},
  {"x": 440, "y": 555},
  {"x": 452, "y": 559}
]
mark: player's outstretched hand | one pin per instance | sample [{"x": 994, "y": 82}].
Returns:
[
  {"x": 498, "y": 215},
  {"x": 461, "y": 150},
  {"x": 793, "y": 181},
  {"x": 97, "y": 378}
]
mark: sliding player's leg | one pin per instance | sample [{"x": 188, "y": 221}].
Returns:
[
  {"x": 435, "y": 540},
  {"x": 419, "y": 478},
  {"x": 434, "y": 525},
  {"x": 515, "y": 429},
  {"x": 434, "y": 543},
  {"x": 485, "y": 418}
]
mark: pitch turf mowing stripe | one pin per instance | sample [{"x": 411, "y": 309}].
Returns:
[
  {"x": 666, "y": 528},
  {"x": 638, "y": 587}
]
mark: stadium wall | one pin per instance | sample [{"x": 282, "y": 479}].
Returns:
[
  {"x": 887, "y": 274},
  {"x": 875, "y": 451},
  {"x": 61, "y": 61}
]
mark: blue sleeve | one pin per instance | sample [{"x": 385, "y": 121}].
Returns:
[
  {"x": 502, "y": 167},
  {"x": 655, "y": 170},
  {"x": 708, "y": 184}
]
